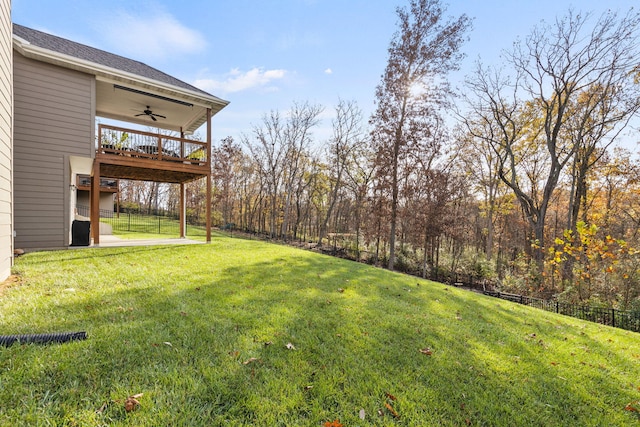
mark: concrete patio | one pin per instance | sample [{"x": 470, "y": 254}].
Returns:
[{"x": 110, "y": 241}]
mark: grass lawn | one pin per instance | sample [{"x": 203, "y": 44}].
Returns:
[{"x": 243, "y": 332}]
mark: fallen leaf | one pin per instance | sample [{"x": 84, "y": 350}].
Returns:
[
  {"x": 168, "y": 343},
  {"x": 234, "y": 353},
  {"x": 102, "y": 408},
  {"x": 632, "y": 406},
  {"x": 380, "y": 413},
  {"x": 340, "y": 290},
  {"x": 334, "y": 423},
  {"x": 393, "y": 411},
  {"x": 132, "y": 403},
  {"x": 183, "y": 313},
  {"x": 427, "y": 351},
  {"x": 250, "y": 360},
  {"x": 391, "y": 396},
  {"x": 290, "y": 346},
  {"x": 308, "y": 387},
  {"x": 268, "y": 343},
  {"x": 362, "y": 414}
]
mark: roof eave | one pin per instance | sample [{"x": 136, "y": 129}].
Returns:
[{"x": 111, "y": 74}]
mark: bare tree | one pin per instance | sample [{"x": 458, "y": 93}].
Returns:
[
  {"x": 347, "y": 136},
  {"x": 412, "y": 90},
  {"x": 480, "y": 164},
  {"x": 553, "y": 67},
  {"x": 297, "y": 138},
  {"x": 268, "y": 152},
  {"x": 224, "y": 163},
  {"x": 359, "y": 179},
  {"x": 597, "y": 117},
  {"x": 279, "y": 149}
]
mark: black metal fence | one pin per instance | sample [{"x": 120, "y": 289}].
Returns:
[
  {"x": 130, "y": 221},
  {"x": 629, "y": 320}
]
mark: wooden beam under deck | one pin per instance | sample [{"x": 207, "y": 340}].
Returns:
[{"x": 115, "y": 166}]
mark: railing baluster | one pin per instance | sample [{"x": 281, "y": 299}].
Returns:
[{"x": 146, "y": 145}]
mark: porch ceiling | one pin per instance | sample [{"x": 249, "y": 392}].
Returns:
[{"x": 119, "y": 101}]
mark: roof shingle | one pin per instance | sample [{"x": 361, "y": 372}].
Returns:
[{"x": 97, "y": 56}]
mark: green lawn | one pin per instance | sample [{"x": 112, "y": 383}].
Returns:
[{"x": 203, "y": 331}]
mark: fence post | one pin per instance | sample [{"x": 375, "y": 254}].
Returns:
[
  {"x": 128, "y": 221},
  {"x": 557, "y": 308},
  {"x": 613, "y": 317},
  {"x": 158, "y": 224}
]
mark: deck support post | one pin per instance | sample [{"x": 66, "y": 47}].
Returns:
[
  {"x": 95, "y": 202},
  {"x": 209, "y": 175},
  {"x": 183, "y": 212}
]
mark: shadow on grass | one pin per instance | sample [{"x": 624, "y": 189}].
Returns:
[
  {"x": 93, "y": 253},
  {"x": 207, "y": 344}
]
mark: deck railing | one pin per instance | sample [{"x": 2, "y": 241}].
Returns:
[{"x": 154, "y": 146}]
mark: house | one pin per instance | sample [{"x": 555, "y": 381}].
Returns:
[
  {"x": 6, "y": 144},
  {"x": 60, "y": 88}
]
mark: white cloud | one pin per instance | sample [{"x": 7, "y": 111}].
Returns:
[
  {"x": 237, "y": 81},
  {"x": 156, "y": 36},
  {"x": 328, "y": 71}
]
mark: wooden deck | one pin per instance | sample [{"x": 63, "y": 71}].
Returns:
[
  {"x": 144, "y": 156},
  {"x": 137, "y": 155}
]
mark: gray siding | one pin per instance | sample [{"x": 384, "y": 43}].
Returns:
[
  {"x": 53, "y": 119},
  {"x": 6, "y": 122}
]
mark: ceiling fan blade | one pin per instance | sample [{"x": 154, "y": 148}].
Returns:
[
  {"x": 153, "y": 118},
  {"x": 141, "y": 114},
  {"x": 158, "y": 115}
]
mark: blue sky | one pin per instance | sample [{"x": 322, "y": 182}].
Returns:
[{"x": 264, "y": 55}]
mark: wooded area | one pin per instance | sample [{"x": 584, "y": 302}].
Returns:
[{"x": 527, "y": 188}]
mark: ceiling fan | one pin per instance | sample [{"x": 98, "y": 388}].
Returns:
[{"x": 151, "y": 114}]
